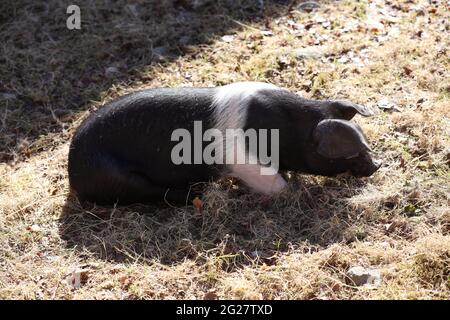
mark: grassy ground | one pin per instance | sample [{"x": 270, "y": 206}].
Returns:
[{"x": 390, "y": 55}]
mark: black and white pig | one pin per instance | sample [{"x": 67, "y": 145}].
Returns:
[{"x": 123, "y": 152}]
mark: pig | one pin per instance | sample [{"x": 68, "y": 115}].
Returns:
[{"x": 123, "y": 152}]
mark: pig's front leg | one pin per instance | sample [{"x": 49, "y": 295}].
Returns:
[{"x": 250, "y": 174}]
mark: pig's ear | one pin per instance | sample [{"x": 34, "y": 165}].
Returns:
[
  {"x": 339, "y": 139},
  {"x": 346, "y": 110}
]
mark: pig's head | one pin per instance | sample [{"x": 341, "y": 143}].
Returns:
[{"x": 338, "y": 145}]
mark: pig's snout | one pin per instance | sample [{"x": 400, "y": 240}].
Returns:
[
  {"x": 376, "y": 164},
  {"x": 365, "y": 166}
]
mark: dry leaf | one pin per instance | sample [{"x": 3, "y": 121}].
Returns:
[
  {"x": 402, "y": 162},
  {"x": 198, "y": 204},
  {"x": 125, "y": 281},
  {"x": 211, "y": 295},
  {"x": 390, "y": 226},
  {"x": 336, "y": 287},
  {"x": 407, "y": 70},
  {"x": 78, "y": 277}
]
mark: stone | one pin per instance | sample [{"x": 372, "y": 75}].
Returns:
[
  {"x": 386, "y": 105},
  {"x": 185, "y": 40},
  {"x": 360, "y": 276},
  {"x": 111, "y": 72},
  {"x": 228, "y": 38},
  {"x": 8, "y": 96},
  {"x": 35, "y": 228},
  {"x": 310, "y": 52},
  {"x": 133, "y": 8},
  {"x": 160, "y": 53},
  {"x": 308, "y": 6}
]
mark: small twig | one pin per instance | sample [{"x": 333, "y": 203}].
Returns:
[
  {"x": 54, "y": 291},
  {"x": 167, "y": 202},
  {"x": 56, "y": 118},
  {"x": 245, "y": 25}
]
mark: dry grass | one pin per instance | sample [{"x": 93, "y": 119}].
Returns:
[{"x": 301, "y": 244}]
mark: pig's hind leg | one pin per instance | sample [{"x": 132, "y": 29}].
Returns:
[{"x": 118, "y": 182}]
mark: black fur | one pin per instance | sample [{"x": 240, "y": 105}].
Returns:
[
  {"x": 122, "y": 151},
  {"x": 297, "y": 118}
]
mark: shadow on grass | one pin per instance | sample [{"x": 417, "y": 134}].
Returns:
[
  {"x": 48, "y": 73},
  {"x": 235, "y": 227}
]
